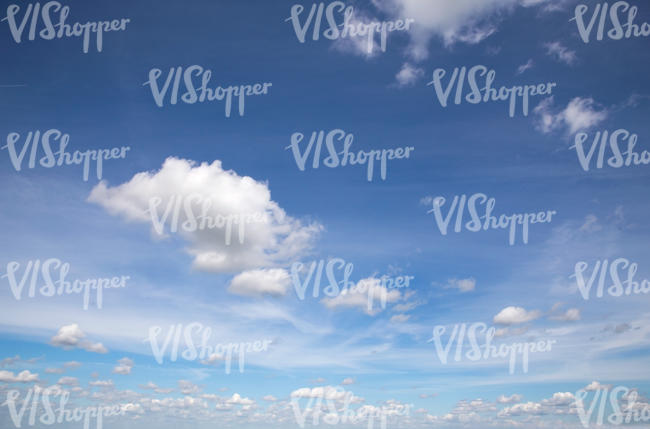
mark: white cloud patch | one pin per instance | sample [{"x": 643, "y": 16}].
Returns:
[
  {"x": 463, "y": 285},
  {"x": 465, "y": 21},
  {"x": 580, "y": 114},
  {"x": 509, "y": 399},
  {"x": 408, "y": 75},
  {"x": 208, "y": 189},
  {"x": 71, "y": 336},
  {"x": 561, "y": 53},
  {"x": 22, "y": 377},
  {"x": 515, "y": 315},
  {"x": 400, "y": 318},
  {"x": 368, "y": 294},
  {"x": 274, "y": 282},
  {"x": 124, "y": 366}
]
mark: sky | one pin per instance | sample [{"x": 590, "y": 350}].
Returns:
[{"x": 395, "y": 289}]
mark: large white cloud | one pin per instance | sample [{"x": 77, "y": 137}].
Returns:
[
  {"x": 467, "y": 21},
  {"x": 276, "y": 239}
]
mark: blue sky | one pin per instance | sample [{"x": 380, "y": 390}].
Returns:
[{"x": 244, "y": 292}]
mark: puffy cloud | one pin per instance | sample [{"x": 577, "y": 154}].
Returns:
[
  {"x": 560, "y": 53},
  {"x": 68, "y": 381},
  {"x": 347, "y": 381},
  {"x": 515, "y": 315},
  {"x": 124, "y": 366},
  {"x": 580, "y": 114},
  {"x": 22, "y": 377},
  {"x": 71, "y": 336},
  {"x": 509, "y": 399},
  {"x": 237, "y": 399},
  {"x": 368, "y": 294},
  {"x": 408, "y": 75},
  {"x": 594, "y": 385},
  {"x": 208, "y": 189},
  {"x": 325, "y": 392},
  {"x": 274, "y": 282},
  {"x": 270, "y": 398},
  {"x": 213, "y": 359},
  {"x": 465, "y": 21},
  {"x": 534, "y": 408}
]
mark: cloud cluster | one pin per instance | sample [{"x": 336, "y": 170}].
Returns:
[{"x": 184, "y": 191}]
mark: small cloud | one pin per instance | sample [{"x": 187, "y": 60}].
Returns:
[
  {"x": 102, "y": 383},
  {"x": 509, "y": 399},
  {"x": 591, "y": 224},
  {"x": 347, "y": 381},
  {"x": 71, "y": 336},
  {"x": 274, "y": 282},
  {"x": 463, "y": 285},
  {"x": 571, "y": 315},
  {"x": 594, "y": 385},
  {"x": 270, "y": 398},
  {"x": 522, "y": 68},
  {"x": 22, "y": 377},
  {"x": 561, "y": 53},
  {"x": 124, "y": 366},
  {"x": 408, "y": 75},
  {"x": 188, "y": 388},
  {"x": 9, "y": 361},
  {"x": 515, "y": 315},
  {"x": 68, "y": 381},
  {"x": 579, "y": 115},
  {"x": 400, "y": 318}
]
